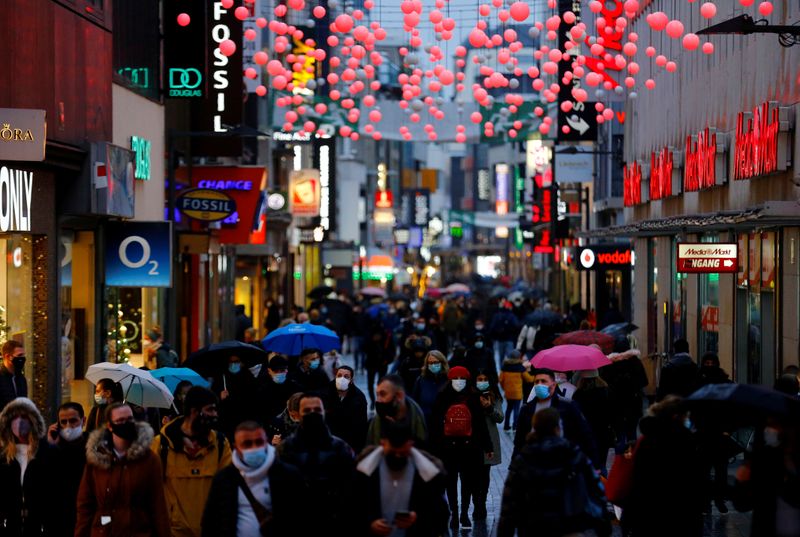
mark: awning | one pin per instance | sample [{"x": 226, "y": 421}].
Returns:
[{"x": 770, "y": 214}]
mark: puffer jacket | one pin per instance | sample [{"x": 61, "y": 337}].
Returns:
[
  {"x": 511, "y": 378},
  {"x": 122, "y": 497},
  {"x": 187, "y": 481}
]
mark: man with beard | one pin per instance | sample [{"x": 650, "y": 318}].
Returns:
[
  {"x": 393, "y": 406},
  {"x": 326, "y": 463},
  {"x": 191, "y": 452}
]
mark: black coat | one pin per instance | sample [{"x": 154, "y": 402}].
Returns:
[
  {"x": 536, "y": 488},
  {"x": 38, "y": 491},
  {"x": 347, "y": 418},
  {"x": 69, "y": 461},
  {"x": 427, "y": 501},
  {"x": 272, "y": 397},
  {"x": 477, "y": 360},
  {"x": 240, "y": 404},
  {"x": 576, "y": 429},
  {"x": 595, "y": 405},
  {"x": 313, "y": 380},
  {"x": 480, "y": 442},
  {"x": 626, "y": 378},
  {"x": 11, "y": 389},
  {"x": 678, "y": 377},
  {"x": 286, "y": 489},
  {"x": 667, "y": 493}
]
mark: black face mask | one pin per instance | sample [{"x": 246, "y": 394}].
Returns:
[
  {"x": 204, "y": 423},
  {"x": 126, "y": 431},
  {"x": 313, "y": 425},
  {"x": 19, "y": 365},
  {"x": 385, "y": 410},
  {"x": 395, "y": 463}
]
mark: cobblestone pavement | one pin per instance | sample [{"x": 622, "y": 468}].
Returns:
[{"x": 732, "y": 524}]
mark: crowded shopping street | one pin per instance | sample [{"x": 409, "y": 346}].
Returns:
[{"x": 399, "y": 268}]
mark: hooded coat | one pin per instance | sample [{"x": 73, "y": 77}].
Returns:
[
  {"x": 187, "y": 481},
  {"x": 677, "y": 377},
  {"x": 127, "y": 494},
  {"x": 36, "y": 487}
]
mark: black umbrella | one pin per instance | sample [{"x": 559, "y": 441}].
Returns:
[
  {"x": 212, "y": 360},
  {"x": 398, "y": 296},
  {"x": 320, "y": 291},
  {"x": 746, "y": 403},
  {"x": 619, "y": 329}
]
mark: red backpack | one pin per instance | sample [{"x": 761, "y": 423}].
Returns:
[{"x": 458, "y": 421}]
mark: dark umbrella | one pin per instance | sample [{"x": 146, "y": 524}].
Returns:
[
  {"x": 320, "y": 291},
  {"x": 338, "y": 313},
  {"x": 498, "y": 291},
  {"x": 542, "y": 317},
  {"x": 587, "y": 337},
  {"x": 375, "y": 311},
  {"x": 398, "y": 296},
  {"x": 619, "y": 329},
  {"x": 212, "y": 360},
  {"x": 744, "y": 403}
]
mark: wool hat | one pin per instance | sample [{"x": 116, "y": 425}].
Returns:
[
  {"x": 458, "y": 371},
  {"x": 278, "y": 361}
]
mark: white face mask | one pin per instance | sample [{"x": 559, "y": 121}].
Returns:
[
  {"x": 342, "y": 383},
  {"x": 71, "y": 433},
  {"x": 99, "y": 399},
  {"x": 459, "y": 384},
  {"x": 772, "y": 437}
]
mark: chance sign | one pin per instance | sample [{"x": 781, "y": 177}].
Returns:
[
  {"x": 707, "y": 257},
  {"x": 206, "y": 204}
]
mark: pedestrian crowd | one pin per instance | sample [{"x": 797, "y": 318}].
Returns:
[{"x": 293, "y": 447}]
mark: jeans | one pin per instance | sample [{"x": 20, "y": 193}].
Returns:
[
  {"x": 512, "y": 408},
  {"x": 463, "y": 462},
  {"x": 356, "y": 346},
  {"x": 372, "y": 376},
  {"x": 503, "y": 350}
]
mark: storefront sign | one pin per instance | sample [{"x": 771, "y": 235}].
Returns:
[
  {"x": 632, "y": 184},
  {"x": 276, "y": 201},
  {"x": 661, "y": 174},
  {"x": 206, "y": 205},
  {"x": 756, "y": 151},
  {"x": 707, "y": 257},
  {"x": 502, "y": 177},
  {"x": 709, "y": 318},
  {"x": 383, "y": 199},
  {"x": 225, "y": 184},
  {"x": 575, "y": 168},
  {"x": 304, "y": 193},
  {"x": 768, "y": 260},
  {"x": 184, "y": 82},
  {"x": 325, "y": 187},
  {"x": 700, "y": 171},
  {"x": 605, "y": 257},
  {"x": 613, "y": 37},
  {"x": 401, "y": 236},
  {"x": 415, "y": 207},
  {"x": 537, "y": 157},
  {"x": 16, "y": 193},
  {"x": 141, "y": 150},
  {"x": 138, "y": 254},
  {"x": 484, "y": 185},
  {"x": 23, "y": 134}
]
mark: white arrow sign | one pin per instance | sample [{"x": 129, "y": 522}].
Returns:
[
  {"x": 727, "y": 263},
  {"x": 578, "y": 123}
]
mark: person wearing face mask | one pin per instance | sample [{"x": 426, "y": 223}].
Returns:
[
  {"x": 326, "y": 463},
  {"x": 122, "y": 490},
  {"x": 26, "y": 472},
  {"x": 346, "y": 409},
  {"x": 399, "y": 489},
  {"x": 576, "y": 429},
  {"x": 12, "y": 373},
  {"x": 394, "y": 406},
  {"x": 309, "y": 374},
  {"x": 550, "y": 486},
  {"x": 68, "y": 441},
  {"x": 106, "y": 392},
  {"x": 412, "y": 364},
  {"x": 430, "y": 382},
  {"x": 191, "y": 453},
  {"x": 460, "y": 438},
  {"x": 767, "y": 483},
  {"x": 237, "y": 391},
  {"x": 504, "y": 328},
  {"x": 275, "y": 387},
  {"x": 286, "y": 423},
  {"x": 479, "y": 356},
  {"x": 512, "y": 378},
  {"x": 492, "y": 405},
  {"x": 258, "y": 494}
]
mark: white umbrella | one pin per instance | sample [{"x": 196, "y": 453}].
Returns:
[{"x": 138, "y": 386}]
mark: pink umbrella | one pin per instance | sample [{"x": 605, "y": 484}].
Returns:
[
  {"x": 456, "y": 288},
  {"x": 570, "y": 358},
  {"x": 372, "y": 291}
]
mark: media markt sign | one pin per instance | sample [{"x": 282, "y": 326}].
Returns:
[
  {"x": 707, "y": 257},
  {"x": 184, "y": 82},
  {"x": 23, "y": 134}
]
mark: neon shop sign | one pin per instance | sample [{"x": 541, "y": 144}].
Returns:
[
  {"x": 756, "y": 150},
  {"x": 701, "y": 155}
]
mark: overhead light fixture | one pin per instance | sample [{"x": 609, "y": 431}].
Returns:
[{"x": 788, "y": 35}]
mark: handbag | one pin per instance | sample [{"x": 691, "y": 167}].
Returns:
[
  {"x": 620, "y": 478},
  {"x": 263, "y": 515}
]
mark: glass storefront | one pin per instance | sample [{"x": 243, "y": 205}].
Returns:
[
  {"x": 708, "y": 303},
  {"x": 678, "y": 292},
  {"x": 16, "y": 295}
]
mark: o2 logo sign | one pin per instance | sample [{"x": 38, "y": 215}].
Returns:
[{"x": 139, "y": 254}]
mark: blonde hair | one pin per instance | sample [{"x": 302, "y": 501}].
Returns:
[{"x": 439, "y": 358}]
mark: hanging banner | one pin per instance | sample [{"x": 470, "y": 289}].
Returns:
[
  {"x": 138, "y": 254},
  {"x": 304, "y": 193},
  {"x": 581, "y": 117}
]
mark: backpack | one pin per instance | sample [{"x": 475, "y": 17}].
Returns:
[{"x": 458, "y": 421}]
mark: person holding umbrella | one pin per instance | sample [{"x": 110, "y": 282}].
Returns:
[
  {"x": 236, "y": 389},
  {"x": 275, "y": 387},
  {"x": 106, "y": 392}
]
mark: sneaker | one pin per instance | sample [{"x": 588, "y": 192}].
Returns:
[{"x": 466, "y": 523}]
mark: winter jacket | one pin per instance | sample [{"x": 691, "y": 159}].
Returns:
[
  {"x": 313, "y": 380},
  {"x": 576, "y": 430},
  {"x": 538, "y": 489},
  {"x": 129, "y": 491},
  {"x": 494, "y": 415},
  {"x": 240, "y": 403},
  {"x": 187, "y": 481},
  {"x": 504, "y": 326},
  {"x": 347, "y": 418},
  {"x": 11, "y": 386},
  {"x": 511, "y": 379},
  {"x": 479, "y": 442},
  {"x": 677, "y": 377},
  {"x": 626, "y": 378},
  {"x": 595, "y": 406},
  {"x": 37, "y": 488},
  {"x": 415, "y": 417},
  {"x": 667, "y": 491},
  {"x": 271, "y": 397},
  {"x": 69, "y": 462},
  {"x": 427, "y": 494},
  {"x": 425, "y": 392},
  {"x": 96, "y": 418},
  {"x": 326, "y": 465},
  {"x": 221, "y": 512}
]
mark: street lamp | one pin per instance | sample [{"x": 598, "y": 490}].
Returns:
[{"x": 788, "y": 35}]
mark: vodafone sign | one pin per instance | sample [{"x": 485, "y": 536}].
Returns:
[
  {"x": 707, "y": 257},
  {"x": 605, "y": 257}
]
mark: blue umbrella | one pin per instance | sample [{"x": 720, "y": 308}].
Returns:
[
  {"x": 293, "y": 338},
  {"x": 171, "y": 376},
  {"x": 375, "y": 311}
]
